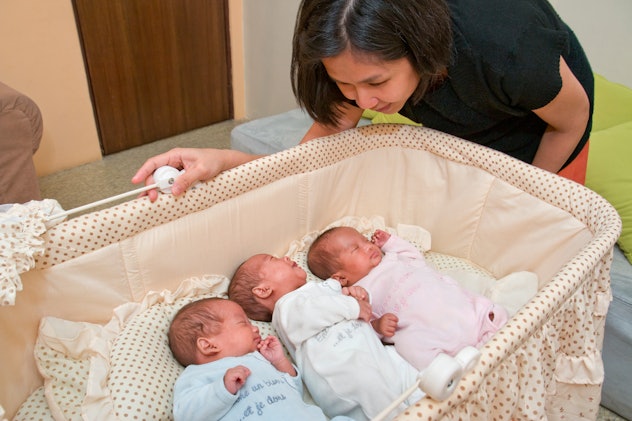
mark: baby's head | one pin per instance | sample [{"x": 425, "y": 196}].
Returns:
[
  {"x": 210, "y": 329},
  {"x": 261, "y": 280},
  {"x": 344, "y": 254}
]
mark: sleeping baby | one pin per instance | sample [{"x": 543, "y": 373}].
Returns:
[
  {"x": 421, "y": 311},
  {"x": 345, "y": 367}
]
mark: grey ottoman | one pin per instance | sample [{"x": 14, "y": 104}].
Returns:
[{"x": 268, "y": 135}]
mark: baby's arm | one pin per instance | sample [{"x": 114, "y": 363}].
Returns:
[
  {"x": 380, "y": 237},
  {"x": 401, "y": 247},
  {"x": 365, "y": 310},
  {"x": 357, "y": 292},
  {"x": 207, "y": 394},
  {"x": 272, "y": 350},
  {"x": 362, "y": 297},
  {"x": 325, "y": 305},
  {"x": 386, "y": 325},
  {"x": 235, "y": 378}
]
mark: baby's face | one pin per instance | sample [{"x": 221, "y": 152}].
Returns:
[
  {"x": 357, "y": 256},
  {"x": 237, "y": 336},
  {"x": 282, "y": 272}
]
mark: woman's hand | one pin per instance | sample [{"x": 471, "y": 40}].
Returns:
[{"x": 199, "y": 165}]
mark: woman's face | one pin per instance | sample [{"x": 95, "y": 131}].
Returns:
[{"x": 383, "y": 86}]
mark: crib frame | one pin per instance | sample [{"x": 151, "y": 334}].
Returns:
[{"x": 545, "y": 363}]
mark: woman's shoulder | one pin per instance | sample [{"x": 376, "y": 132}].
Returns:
[{"x": 495, "y": 28}]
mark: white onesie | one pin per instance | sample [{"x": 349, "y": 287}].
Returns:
[{"x": 345, "y": 367}]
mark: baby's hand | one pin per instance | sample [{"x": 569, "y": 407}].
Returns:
[
  {"x": 235, "y": 378},
  {"x": 357, "y": 292},
  {"x": 380, "y": 237},
  {"x": 386, "y": 325},
  {"x": 365, "y": 310},
  {"x": 271, "y": 349}
]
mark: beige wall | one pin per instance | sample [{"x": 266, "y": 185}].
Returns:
[
  {"x": 236, "y": 12},
  {"x": 41, "y": 57}
]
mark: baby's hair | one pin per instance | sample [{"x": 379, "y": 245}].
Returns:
[
  {"x": 190, "y": 322},
  {"x": 320, "y": 259},
  {"x": 246, "y": 278}
]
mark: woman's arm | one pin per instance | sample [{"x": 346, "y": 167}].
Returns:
[
  {"x": 199, "y": 165},
  {"x": 567, "y": 115},
  {"x": 349, "y": 117}
]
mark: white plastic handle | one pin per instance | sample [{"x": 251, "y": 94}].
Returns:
[
  {"x": 440, "y": 378},
  {"x": 164, "y": 176}
]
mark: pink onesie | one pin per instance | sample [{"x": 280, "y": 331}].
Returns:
[{"x": 435, "y": 313}]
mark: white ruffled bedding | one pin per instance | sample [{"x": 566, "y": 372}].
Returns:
[{"x": 21, "y": 228}]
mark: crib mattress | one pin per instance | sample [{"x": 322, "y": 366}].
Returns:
[{"x": 480, "y": 205}]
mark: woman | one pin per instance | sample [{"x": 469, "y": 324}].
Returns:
[{"x": 508, "y": 75}]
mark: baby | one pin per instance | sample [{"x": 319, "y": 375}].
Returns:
[
  {"x": 231, "y": 373},
  {"x": 418, "y": 309},
  {"x": 345, "y": 367}
]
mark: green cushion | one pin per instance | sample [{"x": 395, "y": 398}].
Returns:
[
  {"x": 613, "y": 104},
  {"x": 377, "y": 118},
  {"x": 609, "y": 173}
]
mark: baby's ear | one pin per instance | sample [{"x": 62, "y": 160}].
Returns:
[
  {"x": 262, "y": 291},
  {"x": 340, "y": 278},
  {"x": 207, "y": 346}
]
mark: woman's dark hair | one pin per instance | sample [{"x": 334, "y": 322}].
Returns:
[{"x": 419, "y": 30}]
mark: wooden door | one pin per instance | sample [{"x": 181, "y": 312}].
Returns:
[{"x": 156, "y": 68}]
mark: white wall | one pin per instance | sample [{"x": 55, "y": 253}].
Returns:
[
  {"x": 604, "y": 27},
  {"x": 268, "y": 28}
]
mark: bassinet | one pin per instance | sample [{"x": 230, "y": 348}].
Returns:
[{"x": 501, "y": 214}]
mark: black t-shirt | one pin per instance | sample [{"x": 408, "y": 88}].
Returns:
[{"x": 505, "y": 63}]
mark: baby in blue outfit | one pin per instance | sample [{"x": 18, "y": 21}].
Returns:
[{"x": 231, "y": 372}]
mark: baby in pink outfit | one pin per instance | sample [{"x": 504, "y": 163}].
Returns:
[{"x": 418, "y": 309}]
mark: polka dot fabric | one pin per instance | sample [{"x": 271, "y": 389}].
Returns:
[
  {"x": 544, "y": 364},
  {"x": 34, "y": 408},
  {"x": 66, "y": 380},
  {"x": 143, "y": 370}
]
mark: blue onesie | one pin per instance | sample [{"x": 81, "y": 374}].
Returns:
[{"x": 200, "y": 394}]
